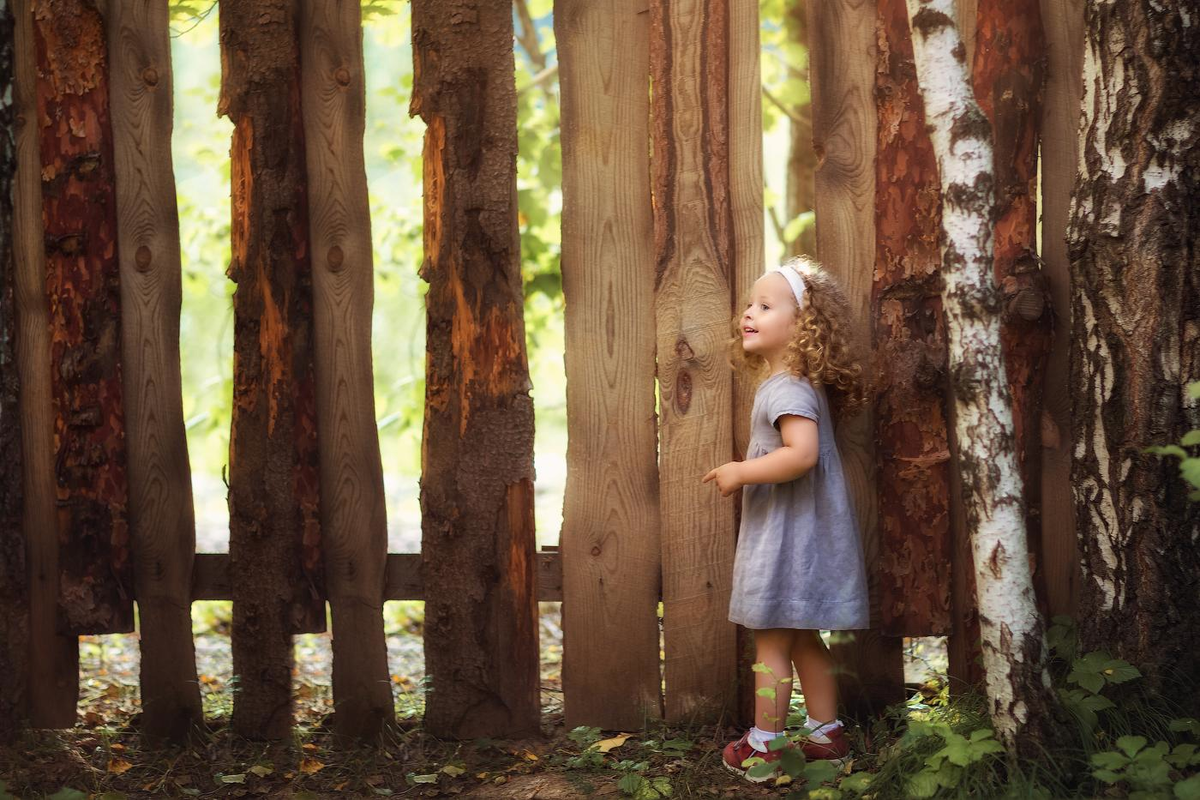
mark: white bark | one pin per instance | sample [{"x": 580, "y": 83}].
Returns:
[{"x": 1018, "y": 684}]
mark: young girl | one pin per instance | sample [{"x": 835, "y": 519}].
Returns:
[{"x": 799, "y": 562}]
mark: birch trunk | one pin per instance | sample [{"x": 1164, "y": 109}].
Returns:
[
  {"x": 1018, "y": 685},
  {"x": 1135, "y": 301}
]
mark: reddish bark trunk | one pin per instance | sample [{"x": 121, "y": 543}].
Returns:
[
  {"x": 910, "y": 347},
  {"x": 83, "y": 293},
  {"x": 274, "y": 541},
  {"x": 1008, "y": 81}
]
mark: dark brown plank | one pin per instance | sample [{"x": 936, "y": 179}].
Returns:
[
  {"x": 1063, "y": 20},
  {"x": 610, "y": 529},
  {"x": 353, "y": 518},
  {"x": 14, "y": 581},
  {"x": 162, "y": 521},
  {"x": 53, "y": 656}
]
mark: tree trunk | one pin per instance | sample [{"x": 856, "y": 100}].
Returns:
[
  {"x": 1008, "y": 82},
  {"x": 274, "y": 525},
  {"x": 909, "y": 332},
  {"x": 802, "y": 159},
  {"x": 1135, "y": 270},
  {"x": 1021, "y": 700},
  {"x": 477, "y": 543},
  {"x": 14, "y": 584},
  {"x": 83, "y": 293}
]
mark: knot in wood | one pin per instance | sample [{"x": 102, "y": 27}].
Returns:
[
  {"x": 342, "y": 76},
  {"x": 335, "y": 259},
  {"x": 142, "y": 258},
  {"x": 150, "y": 76}
]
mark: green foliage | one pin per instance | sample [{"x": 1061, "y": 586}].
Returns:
[{"x": 1189, "y": 466}]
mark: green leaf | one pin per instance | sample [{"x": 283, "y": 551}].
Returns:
[
  {"x": 858, "y": 782},
  {"x": 1109, "y": 759},
  {"x": 1189, "y": 468},
  {"x": 630, "y": 783},
  {"x": 1106, "y": 775},
  {"x": 1130, "y": 745},
  {"x": 1189, "y": 724},
  {"x": 819, "y": 771},
  {"x": 762, "y": 770},
  {"x": 778, "y": 743},
  {"x": 1193, "y": 390},
  {"x": 1166, "y": 450},
  {"x": 68, "y": 793},
  {"x": 1190, "y": 439},
  {"x": 923, "y": 784},
  {"x": 1188, "y": 789},
  {"x": 1118, "y": 671},
  {"x": 766, "y": 691},
  {"x": 792, "y": 762}
]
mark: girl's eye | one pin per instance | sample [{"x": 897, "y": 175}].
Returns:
[{"x": 765, "y": 306}]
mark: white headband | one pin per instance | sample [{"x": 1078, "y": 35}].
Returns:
[{"x": 794, "y": 280}]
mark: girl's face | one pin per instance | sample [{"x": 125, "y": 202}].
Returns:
[{"x": 768, "y": 321}]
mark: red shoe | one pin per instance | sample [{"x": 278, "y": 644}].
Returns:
[
  {"x": 738, "y": 751},
  {"x": 836, "y": 751}
]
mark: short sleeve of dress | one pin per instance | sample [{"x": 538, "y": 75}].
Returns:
[{"x": 793, "y": 396}]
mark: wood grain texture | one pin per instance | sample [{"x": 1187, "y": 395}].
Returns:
[
  {"x": 909, "y": 335},
  {"x": 842, "y": 74},
  {"x": 477, "y": 543},
  {"x": 161, "y": 516},
  {"x": 14, "y": 579},
  {"x": 693, "y": 226},
  {"x": 274, "y": 498},
  {"x": 746, "y": 203},
  {"x": 1063, "y": 21},
  {"x": 610, "y": 534},
  {"x": 53, "y": 656},
  {"x": 210, "y": 577},
  {"x": 83, "y": 291},
  {"x": 353, "y": 518}
]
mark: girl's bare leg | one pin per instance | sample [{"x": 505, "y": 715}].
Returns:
[
  {"x": 773, "y": 647},
  {"x": 814, "y": 665}
]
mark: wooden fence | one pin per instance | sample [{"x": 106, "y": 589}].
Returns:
[{"x": 99, "y": 489}]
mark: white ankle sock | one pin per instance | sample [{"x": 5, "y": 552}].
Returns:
[
  {"x": 818, "y": 728},
  {"x": 759, "y": 738}
]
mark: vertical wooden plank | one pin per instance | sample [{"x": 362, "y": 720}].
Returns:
[
  {"x": 842, "y": 73},
  {"x": 162, "y": 521},
  {"x": 477, "y": 528},
  {"x": 14, "y": 582},
  {"x": 746, "y": 202},
  {"x": 1063, "y": 21},
  {"x": 274, "y": 538},
  {"x": 610, "y": 537},
  {"x": 353, "y": 517},
  {"x": 83, "y": 291},
  {"x": 693, "y": 228},
  {"x": 909, "y": 334},
  {"x": 53, "y": 656},
  {"x": 968, "y": 12}
]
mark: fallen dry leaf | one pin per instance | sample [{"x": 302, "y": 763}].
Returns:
[
  {"x": 605, "y": 745},
  {"x": 118, "y": 765},
  {"x": 310, "y": 765}
]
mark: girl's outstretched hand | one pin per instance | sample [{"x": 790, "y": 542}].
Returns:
[{"x": 728, "y": 477}]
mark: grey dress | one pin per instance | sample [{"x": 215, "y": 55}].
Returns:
[{"x": 799, "y": 560}]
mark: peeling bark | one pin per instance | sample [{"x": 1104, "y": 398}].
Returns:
[
  {"x": 1008, "y": 82},
  {"x": 14, "y": 585},
  {"x": 910, "y": 348},
  {"x": 1135, "y": 300},
  {"x": 83, "y": 294},
  {"x": 1021, "y": 700},
  {"x": 477, "y": 542},
  {"x": 274, "y": 537}
]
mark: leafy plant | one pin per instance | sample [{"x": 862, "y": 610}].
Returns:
[{"x": 1189, "y": 466}]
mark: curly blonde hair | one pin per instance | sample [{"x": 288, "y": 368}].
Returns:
[{"x": 825, "y": 347}]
